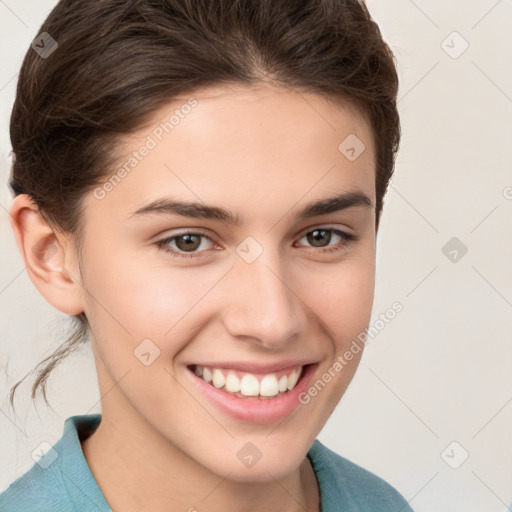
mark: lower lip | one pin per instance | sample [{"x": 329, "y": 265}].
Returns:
[{"x": 256, "y": 410}]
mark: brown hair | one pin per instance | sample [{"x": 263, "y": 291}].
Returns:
[{"x": 119, "y": 61}]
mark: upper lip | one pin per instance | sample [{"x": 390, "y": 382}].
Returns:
[{"x": 252, "y": 367}]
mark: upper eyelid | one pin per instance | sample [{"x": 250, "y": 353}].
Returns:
[{"x": 326, "y": 227}]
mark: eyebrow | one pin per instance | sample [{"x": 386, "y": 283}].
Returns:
[{"x": 170, "y": 206}]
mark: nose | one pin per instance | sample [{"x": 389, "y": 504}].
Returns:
[{"x": 262, "y": 306}]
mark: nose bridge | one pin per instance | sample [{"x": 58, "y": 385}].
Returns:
[{"x": 262, "y": 304}]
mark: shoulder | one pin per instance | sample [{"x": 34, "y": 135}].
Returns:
[
  {"x": 60, "y": 479},
  {"x": 342, "y": 481},
  {"x": 40, "y": 489}
]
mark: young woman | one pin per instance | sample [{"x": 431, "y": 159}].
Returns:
[{"x": 199, "y": 183}]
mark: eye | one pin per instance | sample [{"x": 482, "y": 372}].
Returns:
[
  {"x": 191, "y": 244},
  {"x": 183, "y": 243},
  {"x": 321, "y": 238}
]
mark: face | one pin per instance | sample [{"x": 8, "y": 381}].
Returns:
[{"x": 251, "y": 288}]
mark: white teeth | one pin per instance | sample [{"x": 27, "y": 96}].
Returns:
[
  {"x": 292, "y": 379},
  {"x": 207, "y": 375},
  {"x": 283, "y": 384},
  {"x": 249, "y": 386},
  {"x": 218, "y": 379},
  {"x": 269, "y": 386},
  {"x": 232, "y": 383}
]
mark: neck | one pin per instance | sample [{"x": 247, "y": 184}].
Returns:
[{"x": 137, "y": 469}]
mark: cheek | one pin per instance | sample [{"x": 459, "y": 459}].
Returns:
[
  {"x": 143, "y": 298},
  {"x": 140, "y": 298},
  {"x": 343, "y": 299}
]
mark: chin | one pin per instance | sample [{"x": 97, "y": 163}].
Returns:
[{"x": 261, "y": 462}]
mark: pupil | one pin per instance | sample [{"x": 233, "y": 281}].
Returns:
[
  {"x": 188, "y": 242},
  {"x": 317, "y": 235}
]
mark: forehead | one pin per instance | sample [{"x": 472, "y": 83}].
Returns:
[{"x": 242, "y": 147}]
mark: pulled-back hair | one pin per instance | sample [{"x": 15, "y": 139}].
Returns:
[{"x": 119, "y": 61}]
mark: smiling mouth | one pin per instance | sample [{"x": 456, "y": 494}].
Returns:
[{"x": 249, "y": 385}]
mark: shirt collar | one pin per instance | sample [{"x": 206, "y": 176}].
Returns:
[{"x": 78, "y": 479}]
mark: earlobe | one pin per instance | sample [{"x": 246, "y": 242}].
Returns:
[{"x": 49, "y": 256}]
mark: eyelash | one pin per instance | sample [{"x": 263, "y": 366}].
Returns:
[{"x": 346, "y": 239}]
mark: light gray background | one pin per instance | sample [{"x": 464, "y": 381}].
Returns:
[{"x": 441, "y": 371}]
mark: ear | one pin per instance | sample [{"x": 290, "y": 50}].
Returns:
[{"x": 49, "y": 255}]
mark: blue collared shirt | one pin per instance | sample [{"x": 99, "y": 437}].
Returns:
[{"x": 61, "y": 480}]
